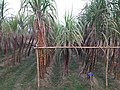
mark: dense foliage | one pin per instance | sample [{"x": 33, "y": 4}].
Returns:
[{"x": 37, "y": 25}]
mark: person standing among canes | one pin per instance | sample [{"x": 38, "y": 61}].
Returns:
[{"x": 90, "y": 77}]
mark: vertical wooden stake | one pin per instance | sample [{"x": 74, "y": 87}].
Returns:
[
  {"x": 107, "y": 59},
  {"x": 38, "y": 69}
]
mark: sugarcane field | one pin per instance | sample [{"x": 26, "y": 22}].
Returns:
[{"x": 59, "y": 44}]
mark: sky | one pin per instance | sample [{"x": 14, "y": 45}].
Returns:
[
  {"x": 14, "y": 6},
  {"x": 62, "y": 5},
  {"x": 68, "y": 5}
]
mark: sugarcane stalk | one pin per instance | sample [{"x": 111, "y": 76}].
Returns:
[
  {"x": 45, "y": 59},
  {"x": 24, "y": 46},
  {"x": 41, "y": 64},
  {"x": 30, "y": 46},
  {"x": 20, "y": 48},
  {"x": 66, "y": 60}
]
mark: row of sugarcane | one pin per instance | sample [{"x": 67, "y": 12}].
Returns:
[
  {"x": 99, "y": 26},
  {"x": 15, "y": 48},
  {"x": 108, "y": 57}
]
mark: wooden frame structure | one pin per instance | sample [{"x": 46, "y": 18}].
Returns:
[{"x": 64, "y": 47}]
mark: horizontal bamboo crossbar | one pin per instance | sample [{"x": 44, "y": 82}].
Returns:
[{"x": 92, "y": 47}]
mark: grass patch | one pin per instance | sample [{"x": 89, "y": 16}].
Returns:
[{"x": 11, "y": 76}]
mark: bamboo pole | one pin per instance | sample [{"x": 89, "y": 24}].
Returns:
[
  {"x": 38, "y": 68},
  {"x": 107, "y": 60},
  {"x": 82, "y": 47}
]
